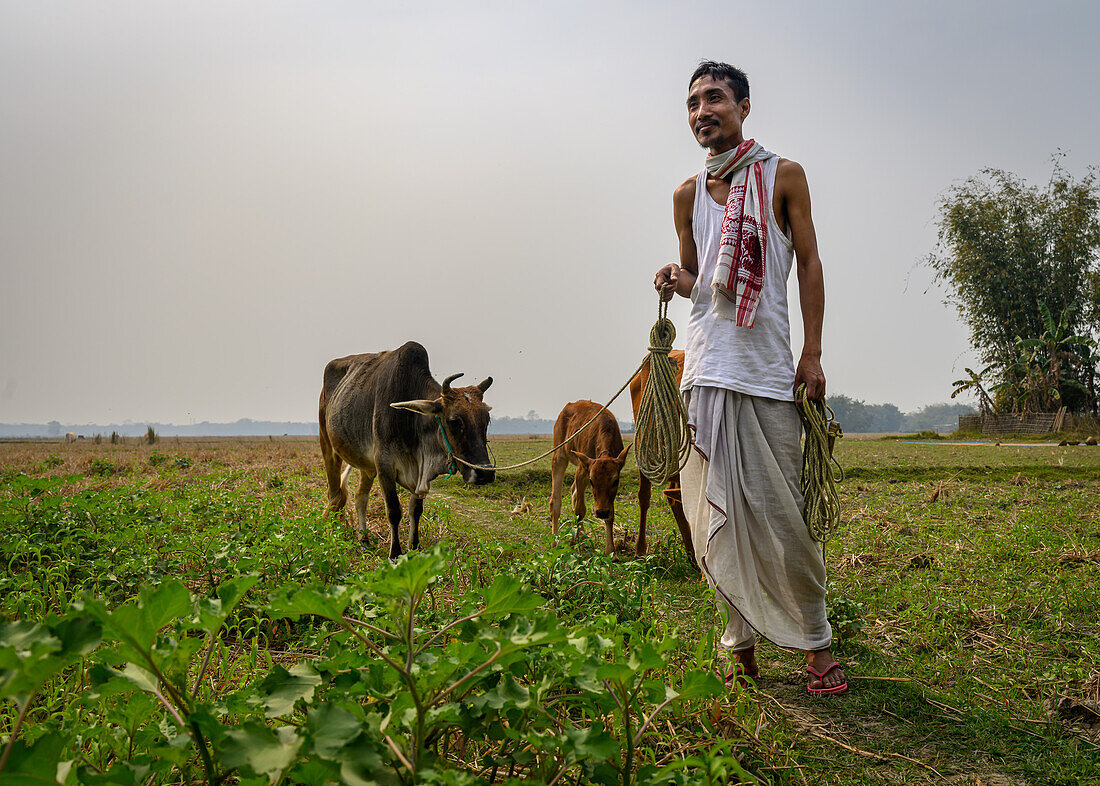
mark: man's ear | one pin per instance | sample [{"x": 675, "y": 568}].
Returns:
[
  {"x": 423, "y": 406},
  {"x": 746, "y": 107},
  {"x": 583, "y": 459}
]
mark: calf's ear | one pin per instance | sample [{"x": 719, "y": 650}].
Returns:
[
  {"x": 583, "y": 459},
  {"x": 621, "y": 458},
  {"x": 484, "y": 384},
  {"x": 423, "y": 406}
]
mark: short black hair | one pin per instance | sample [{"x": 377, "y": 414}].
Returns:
[{"x": 735, "y": 77}]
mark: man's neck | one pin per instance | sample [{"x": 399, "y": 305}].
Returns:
[{"x": 727, "y": 145}]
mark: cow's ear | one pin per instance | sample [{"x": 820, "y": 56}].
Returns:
[
  {"x": 583, "y": 459},
  {"x": 484, "y": 384},
  {"x": 621, "y": 458},
  {"x": 423, "y": 406}
]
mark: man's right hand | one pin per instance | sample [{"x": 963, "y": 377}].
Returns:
[{"x": 665, "y": 281}]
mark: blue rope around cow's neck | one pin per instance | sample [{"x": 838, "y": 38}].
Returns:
[{"x": 451, "y": 466}]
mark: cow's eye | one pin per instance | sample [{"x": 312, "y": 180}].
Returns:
[{"x": 456, "y": 424}]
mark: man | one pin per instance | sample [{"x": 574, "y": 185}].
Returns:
[{"x": 741, "y": 223}]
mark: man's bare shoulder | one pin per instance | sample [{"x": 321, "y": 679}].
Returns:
[
  {"x": 685, "y": 192},
  {"x": 789, "y": 174}
]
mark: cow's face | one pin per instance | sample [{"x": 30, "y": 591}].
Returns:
[
  {"x": 603, "y": 475},
  {"x": 465, "y": 418}
]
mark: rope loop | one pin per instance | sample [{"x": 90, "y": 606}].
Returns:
[
  {"x": 662, "y": 440},
  {"x": 820, "y": 471}
]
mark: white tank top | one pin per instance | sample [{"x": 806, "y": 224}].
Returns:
[{"x": 755, "y": 360}]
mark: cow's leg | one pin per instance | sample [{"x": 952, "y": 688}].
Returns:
[
  {"x": 580, "y": 485},
  {"x": 645, "y": 493},
  {"x": 334, "y": 466},
  {"x": 393, "y": 512},
  {"x": 361, "y": 497},
  {"x": 416, "y": 508},
  {"x": 558, "y": 465},
  {"x": 609, "y": 529},
  {"x": 676, "y": 503}
]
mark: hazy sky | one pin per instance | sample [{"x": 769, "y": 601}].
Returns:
[{"x": 203, "y": 203}]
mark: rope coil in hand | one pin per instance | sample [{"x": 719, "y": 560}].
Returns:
[
  {"x": 820, "y": 471},
  {"x": 662, "y": 441}
]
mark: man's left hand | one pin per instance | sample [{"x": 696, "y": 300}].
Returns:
[{"x": 809, "y": 371}]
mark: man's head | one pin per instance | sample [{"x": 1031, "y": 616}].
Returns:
[{"x": 717, "y": 104}]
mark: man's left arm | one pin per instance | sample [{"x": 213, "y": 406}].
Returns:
[{"x": 794, "y": 192}]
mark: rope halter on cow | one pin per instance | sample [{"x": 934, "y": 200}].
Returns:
[{"x": 452, "y": 468}]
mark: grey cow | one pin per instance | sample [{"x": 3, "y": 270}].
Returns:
[{"x": 385, "y": 415}]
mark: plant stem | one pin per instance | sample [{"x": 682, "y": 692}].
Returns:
[
  {"x": 205, "y": 663},
  {"x": 15, "y": 729}
]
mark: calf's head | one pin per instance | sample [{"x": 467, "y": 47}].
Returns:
[
  {"x": 465, "y": 418},
  {"x": 603, "y": 474}
]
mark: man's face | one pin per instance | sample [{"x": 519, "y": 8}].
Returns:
[{"x": 715, "y": 115}]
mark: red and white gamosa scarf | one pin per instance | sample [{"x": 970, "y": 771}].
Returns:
[{"x": 742, "y": 254}]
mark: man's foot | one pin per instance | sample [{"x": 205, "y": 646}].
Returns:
[
  {"x": 825, "y": 674},
  {"x": 743, "y": 665}
]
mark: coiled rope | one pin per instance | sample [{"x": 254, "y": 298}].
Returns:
[
  {"x": 820, "y": 471},
  {"x": 662, "y": 442}
]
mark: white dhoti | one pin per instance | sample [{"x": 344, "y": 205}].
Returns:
[{"x": 743, "y": 498}]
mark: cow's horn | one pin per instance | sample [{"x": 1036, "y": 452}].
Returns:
[
  {"x": 484, "y": 384},
  {"x": 447, "y": 382}
]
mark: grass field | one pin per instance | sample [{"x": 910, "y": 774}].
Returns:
[{"x": 963, "y": 589}]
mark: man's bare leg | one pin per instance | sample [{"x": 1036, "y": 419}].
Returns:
[{"x": 820, "y": 661}]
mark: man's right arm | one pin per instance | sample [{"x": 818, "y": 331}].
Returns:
[{"x": 681, "y": 277}]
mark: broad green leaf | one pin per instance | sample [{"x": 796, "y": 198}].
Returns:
[
  {"x": 142, "y": 678},
  {"x": 213, "y": 612},
  {"x": 329, "y": 602},
  {"x": 259, "y": 749},
  {"x": 45, "y": 761},
  {"x": 410, "y": 576},
  {"x": 31, "y": 653},
  {"x": 593, "y": 743},
  {"x": 402, "y": 714},
  {"x": 331, "y": 728},
  {"x": 281, "y": 689},
  {"x": 138, "y": 621},
  {"x": 700, "y": 685}
]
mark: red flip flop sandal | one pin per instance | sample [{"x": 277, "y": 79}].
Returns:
[
  {"x": 737, "y": 676},
  {"x": 821, "y": 676}
]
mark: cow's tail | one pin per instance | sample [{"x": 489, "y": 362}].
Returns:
[{"x": 344, "y": 475}]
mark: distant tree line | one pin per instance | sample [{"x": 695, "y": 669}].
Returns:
[{"x": 856, "y": 416}]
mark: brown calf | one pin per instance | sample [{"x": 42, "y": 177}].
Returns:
[
  {"x": 672, "y": 493},
  {"x": 599, "y": 455}
]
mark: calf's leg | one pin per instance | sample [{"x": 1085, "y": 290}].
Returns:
[
  {"x": 580, "y": 485},
  {"x": 393, "y": 512},
  {"x": 361, "y": 497}
]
